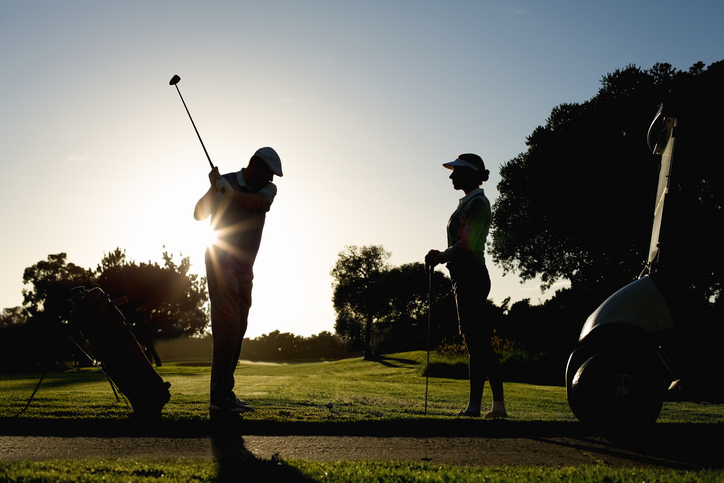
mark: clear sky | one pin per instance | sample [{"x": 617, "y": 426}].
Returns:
[{"x": 363, "y": 100}]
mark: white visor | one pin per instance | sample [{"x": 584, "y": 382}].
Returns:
[{"x": 460, "y": 162}]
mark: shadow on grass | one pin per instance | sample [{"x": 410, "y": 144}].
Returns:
[
  {"x": 56, "y": 378},
  {"x": 447, "y": 370},
  {"x": 389, "y": 362}
]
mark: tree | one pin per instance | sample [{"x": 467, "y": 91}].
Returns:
[
  {"x": 12, "y": 317},
  {"x": 405, "y": 319},
  {"x": 578, "y": 204},
  {"x": 358, "y": 291},
  {"x": 46, "y": 308},
  {"x": 15, "y": 339},
  {"x": 324, "y": 345},
  {"x": 163, "y": 302},
  {"x": 351, "y": 329},
  {"x": 52, "y": 280}
]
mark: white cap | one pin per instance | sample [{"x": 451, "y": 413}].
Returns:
[{"x": 271, "y": 158}]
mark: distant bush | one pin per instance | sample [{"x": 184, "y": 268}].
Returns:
[
  {"x": 275, "y": 346},
  {"x": 450, "y": 360},
  {"x": 185, "y": 348}
]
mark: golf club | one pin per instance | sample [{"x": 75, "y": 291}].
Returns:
[
  {"x": 429, "y": 320},
  {"x": 174, "y": 82}
]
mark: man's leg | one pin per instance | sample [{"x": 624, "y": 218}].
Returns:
[
  {"x": 243, "y": 304},
  {"x": 223, "y": 290}
]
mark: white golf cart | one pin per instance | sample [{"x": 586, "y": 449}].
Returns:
[{"x": 618, "y": 374}]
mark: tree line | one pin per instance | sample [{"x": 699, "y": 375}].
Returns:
[{"x": 275, "y": 346}]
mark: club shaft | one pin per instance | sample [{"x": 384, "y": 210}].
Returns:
[
  {"x": 194, "y": 125},
  {"x": 429, "y": 321}
]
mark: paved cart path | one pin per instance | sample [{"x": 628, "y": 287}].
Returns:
[{"x": 464, "y": 451}]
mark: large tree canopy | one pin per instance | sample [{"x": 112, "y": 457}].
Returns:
[
  {"x": 162, "y": 301},
  {"x": 578, "y": 204}
]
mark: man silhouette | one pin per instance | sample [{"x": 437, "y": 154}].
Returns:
[{"x": 237, "y": 203}]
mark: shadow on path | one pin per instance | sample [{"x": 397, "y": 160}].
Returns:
[
  {"x": 236, "y": 463},
  {"x": 665, "y": 445}
]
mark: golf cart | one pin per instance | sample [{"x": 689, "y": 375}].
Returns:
[{"x": 619, "y": 373}]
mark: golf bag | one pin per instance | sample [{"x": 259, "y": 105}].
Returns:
[{"x": 113, "y": 343}]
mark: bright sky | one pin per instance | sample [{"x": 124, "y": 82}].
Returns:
[{"x": 363, "y": 100}]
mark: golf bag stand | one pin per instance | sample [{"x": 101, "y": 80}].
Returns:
[
  {"x": 123, "y": 358},
  {"x": 65, "y": 337}
]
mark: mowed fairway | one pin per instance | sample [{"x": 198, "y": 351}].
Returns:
[
  {"x": 391, "y": 389},
  {"x": 359, "y": 390}
]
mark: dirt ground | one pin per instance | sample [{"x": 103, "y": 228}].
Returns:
[{"x": 499, "y": 443}]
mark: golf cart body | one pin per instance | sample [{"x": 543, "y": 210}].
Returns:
[
  {"x": 639, "y": 304},
  {"x": 618, "y": 374}
]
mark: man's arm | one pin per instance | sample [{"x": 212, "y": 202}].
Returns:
[
  {"x": 202, "y": 210},
  {"x": 253, "y": 201}
]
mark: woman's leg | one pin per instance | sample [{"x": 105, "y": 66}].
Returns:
[
  {"x": 492, "y": 370},
  {"x": 471, "y": 292},
  {"x": 476, "y": 371}
]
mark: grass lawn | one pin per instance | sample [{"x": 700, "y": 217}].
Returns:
[
  {"x": 392, "y": 389},
  {"x": 293, "y": 395},
  {"x": 184, "y": 471}
]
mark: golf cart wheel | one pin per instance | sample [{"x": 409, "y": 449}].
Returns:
[{"x": 616, "y": 389}]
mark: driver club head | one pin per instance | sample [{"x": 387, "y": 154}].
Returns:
[{"x": 174, "y": 80}]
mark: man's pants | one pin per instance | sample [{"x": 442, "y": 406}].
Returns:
[{"x": 230, "y": 296}]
